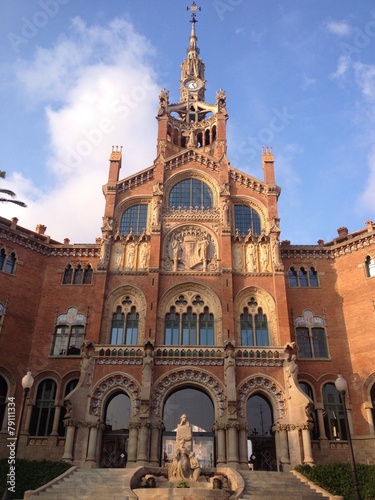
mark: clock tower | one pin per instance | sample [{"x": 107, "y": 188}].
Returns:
[{"x": 192, "y": 122}]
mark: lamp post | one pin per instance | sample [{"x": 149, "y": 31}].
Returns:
[
  {"x": 342, "y": 387},
  {"x": 27, "y": 382}
]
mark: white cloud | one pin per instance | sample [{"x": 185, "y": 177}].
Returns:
[
  {"x": 343, "y": 65},
  {"x": 99, "y": 90},
  {"x": 340, "y": 28},
  {"x": 365, "y": 78}
]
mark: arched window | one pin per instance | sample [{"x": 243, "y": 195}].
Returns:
[
  {"x": 334, "y": 422},
  {"x": 125, "y": 326},
  {"x": 301, "y": 278},
  {"x": 87, "y": 277},
  {"x": 135, "y": 219},
  {"x": 68, "y": 275},
  {"x": 78, "y": 275},
  {"x": 307, "y": 389},
  {"x": 191, "y": 193},
  {"x": 194, "y": 325},
  {"x": 293, "y": 279},
  {"x": 246, "y": 218},
  {"x": 10, "y": 263},
  {"x": 3, "y": 398},
  {"x": 302, "y": 274},
  {"x": 254, "y": 328},
  {"x": 2, "y": 258},
  {"x": 372, "y": 398},
  {"x": 69, "y": 333},
  {"x": 44, "y": 409},
  {"x": 370, "y": 266}
]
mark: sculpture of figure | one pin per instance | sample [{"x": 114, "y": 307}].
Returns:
[
  {"x": 104, "y": 249},
  {"x": 276, "y": 252},
  {"x": 148, "y": 362},
  {"x": 183, "y": 466},
  {"x": 264, "y": 257},
  {"x": 230, "y": 373},
  {"x": 292, "y": 371},
  {"x": 251, "y": 257},
  {"x": 184, "y": 434},
  {"x": 195, "y": 466},
  {"x": 191, "y": 138},
  {"x": 226, "y": 213},
  {"x": 221, "y": 102},
  {"x": 163, "y": 102},
  {"x": 176, "y": 247},
  {"x": 118, "y": 256},
  {"x": 143, "y": 256},
  {"x": 157, "y": 210},
  {"x": 130, "y": 254}
]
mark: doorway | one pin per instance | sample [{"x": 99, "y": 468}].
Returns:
[
  {"x": 199, "y": 409},
  {"x": 114, "y": 451},
  {"x": 261, "y": 439}
]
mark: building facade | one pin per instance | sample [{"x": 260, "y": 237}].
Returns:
[{"x": 190, "y": 302}]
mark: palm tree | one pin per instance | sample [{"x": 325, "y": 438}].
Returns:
[{"x": 9, "y": 193}]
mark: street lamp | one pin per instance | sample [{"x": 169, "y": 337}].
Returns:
[
  {"x": 342, "y": 387},
  {"x": 27, "y": 382}
]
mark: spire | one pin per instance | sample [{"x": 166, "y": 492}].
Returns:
[{"x": 193, "y": 37}]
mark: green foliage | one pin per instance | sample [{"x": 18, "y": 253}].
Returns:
[
  {"x": 31, "y": 474},
  {"x": 336, "y": 478}
]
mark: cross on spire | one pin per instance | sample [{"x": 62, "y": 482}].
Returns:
[{"x": 193, "y": 9}]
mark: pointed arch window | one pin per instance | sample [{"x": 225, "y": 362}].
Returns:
[
  {"x": 307, "y": 389},
  {"x": 44, "y": 409},
  {"x": 194, "y": 325},
  {"x": 125, "y": 327},
  {"x": 3, "y": 396},
  {"x": 245, "y": 219},
  {"x": 191, "y": 193},
  {"x": 7, "y": 262},
  {"x": 68, "y": 389},
  {"x": 77, "y": 275},
  {"x": 300, "y": 277},
  {"x": 254, "y": 328}
]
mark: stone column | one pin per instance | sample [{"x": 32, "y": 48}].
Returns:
[
  {"x": 91, "y": 451},
  {"x": 143, "y": 440},
  {"x": 232, "y": 439},
  {"x": 219, "y": 429},
  {"x": 155, "y": 440},
  {"x": 307, "y": 450},
  {"x": 243, "y": 444},
  {"x": 320, "y": 410},
  {"x": 56, "y": 420},
  {"x": 370, "y": 419},
  {"x": 69, "y": 442},
  {"x": 283, "y": 441},
  {"x": 133, "y": 440}
]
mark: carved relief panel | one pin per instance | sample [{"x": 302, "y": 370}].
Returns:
[{"x": 190, "y": 248}]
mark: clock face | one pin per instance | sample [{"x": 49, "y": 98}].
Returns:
[{"x": 192, "y": 85}]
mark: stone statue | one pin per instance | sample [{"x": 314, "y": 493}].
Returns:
[
  {"x": 184, "y": 435},
  {"x": 226, "y": 213},
  {"x": 143, "y": 256},
  {"x": 264, "y": 257},
  {"x": 230, "y": 373},
  {"x": 176, "y": 247},
  {"x": 195, "y": 466},
  {"x": 130, "y": 254},
  {"x": 251, "y": 258},
  {"x": 156, "y": 214},
  {"x": 237, "y": 258}
]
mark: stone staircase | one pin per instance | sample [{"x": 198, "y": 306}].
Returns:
[
  {"x": 260, "y": 485},
  {"x": 114, "y": 484},
  {"x": 87, "y": 484}
]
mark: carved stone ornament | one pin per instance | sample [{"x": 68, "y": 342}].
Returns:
[{"x": 190, "y": 248}]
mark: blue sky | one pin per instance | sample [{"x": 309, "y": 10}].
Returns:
[{"x": 79, "y": 76}]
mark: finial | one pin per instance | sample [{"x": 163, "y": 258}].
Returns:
[{"x": 194, "y": 7}]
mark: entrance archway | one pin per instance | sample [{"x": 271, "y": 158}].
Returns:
[
  {"x": 199, "y": 409},
  {"x": 116, "y": 433},
  {"x": 261, "y": 440}
]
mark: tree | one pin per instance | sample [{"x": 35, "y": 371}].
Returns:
[{"x": 9, "y": 193}]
